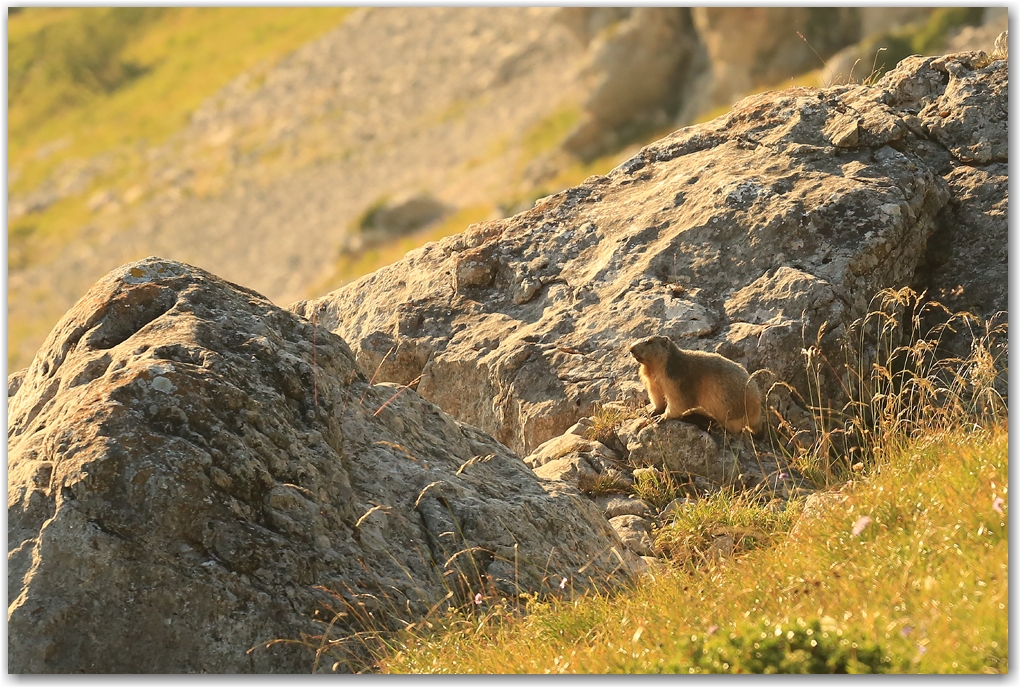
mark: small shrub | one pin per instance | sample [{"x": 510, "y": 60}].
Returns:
[
  {"x": 807, "y": 647},
  {"x": 366, "y": 220},
  {"x": 603, "y": 485},
  {"x": 903, "y": 382}
]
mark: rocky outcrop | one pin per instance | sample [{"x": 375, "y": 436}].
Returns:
[
  {"x": 744, "y": 235},
  {"x": 194, "y": 472},
  {"x": 751, "y": 47},
  {"x": 637, "y": 69}
]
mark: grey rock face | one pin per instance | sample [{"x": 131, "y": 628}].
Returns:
[
  {"x": 194, "y": 472},
  {"x": 970, "y": 118},
  {"x": 742, "y": 236},
  {"x": 14, "y": 381},
  {"x": 1001, "y": 48}
]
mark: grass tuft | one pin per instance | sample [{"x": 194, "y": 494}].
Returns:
[
  {"x": 725, "y": 523},
  {"x": 606, "y": 419}
]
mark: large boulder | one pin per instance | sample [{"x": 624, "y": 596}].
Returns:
[
  {"x": 194, "y": 472},
  {"x": 757, "y": 235}
]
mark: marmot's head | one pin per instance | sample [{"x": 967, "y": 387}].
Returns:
[{"x": 651, "y": 350}]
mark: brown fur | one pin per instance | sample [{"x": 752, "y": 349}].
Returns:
[{"x": 680, "y": 382}]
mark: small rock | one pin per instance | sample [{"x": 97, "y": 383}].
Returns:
[
  {"x": 819, "y": 501},
  {"x": 654, "y": 565},
  {"x": 560, "y": 446},
  {"x": 1001, "y": 49},
  {"x": 678, "y": 446},
  {"x": 634, "y": 533},
  {"x": 14, "y": 381},
  {"x": 621, "y": 477},
  {"x": 627, "y": 432},
  {"x": 526, "y": 290},
  {"x": 675, "y": 505},
  {"x": 613, "y": 506},
  {"x": 646, "y": 473},
  {"x": 580, "y": 427},
  {"x": 475, "y": 268},
  {"x": 722, "y": 547},
  {"x": 573, "y": 469}
]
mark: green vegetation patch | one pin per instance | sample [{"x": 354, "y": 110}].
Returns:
[
  {"x": 805, "y": 648},
  {"x": 726, "y": 522},
  {"x": 107, "y": 77},
  {"x": 903, "y": 570},
  {"x": 550, "y": 131},
  {"x": 943, "y": 20}
]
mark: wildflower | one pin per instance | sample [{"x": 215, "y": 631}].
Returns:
[
  {"x": 712, "y": 629},
  {"x": 478, "y": 599},
  {"x": 782, "y": 476},
  {"x": 997, "y": 505},
  {"x": 859, "y": 526},
  {"x": 563, "y": 583},
  {"x": 907, "y": 629}
]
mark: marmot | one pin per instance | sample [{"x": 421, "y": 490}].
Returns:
[{"x": 681, "y": 381}]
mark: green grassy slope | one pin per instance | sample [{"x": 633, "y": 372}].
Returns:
[
  {"x": 922, "y": 588},
  {"x": 116, "y": 76},
  {"x": 104, "y": 84}
]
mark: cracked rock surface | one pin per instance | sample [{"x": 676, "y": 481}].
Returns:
[
  {"x": 743, "y": 235},
  {"x": 193, "y": 472}
]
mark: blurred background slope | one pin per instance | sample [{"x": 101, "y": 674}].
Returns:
[{"x": 293, "y": 149}]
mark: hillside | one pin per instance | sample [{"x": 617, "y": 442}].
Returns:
[
  {"x": 265, "y": 176},
  {"x": 922, "y": 587},
  {"x": 257, "y": 151}
]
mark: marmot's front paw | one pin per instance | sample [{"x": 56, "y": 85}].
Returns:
[{"x": 653, "y": 411}]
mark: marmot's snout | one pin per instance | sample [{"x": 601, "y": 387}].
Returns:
[
  {"x": 642, "y": 347},
  {"x": 637, "y": 349}
]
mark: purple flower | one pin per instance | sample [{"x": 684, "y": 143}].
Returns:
[
  {"x": 997, "y": 505},
  {"x": 782, "y": 475},
  {"x": 859, "y": 526}
]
